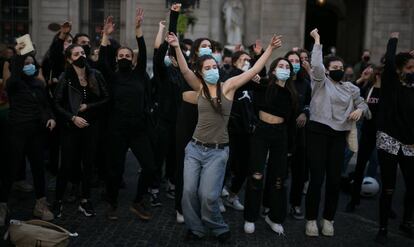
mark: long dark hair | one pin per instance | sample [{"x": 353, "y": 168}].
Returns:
[
  {"x": 198, "y": 70},
  {"x": 195, "y": 47},
  {"x": 272, "y": 89},
  {"x": 300, "y": 76}
]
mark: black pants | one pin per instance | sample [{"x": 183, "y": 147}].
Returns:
[
  {"x": 266, "y": 139},
  {"x": 366, "y": 145},
  {"x": 186, "y": 122},
  {"x": 24, "y": 140},
  {"x": 298, "y": 168},
  {"x": 53, "y": 149},
  {"x": 325, "y": 152},
  {"x": 124, "y": 134},
  {"x": 78, "y": 151},
  {"x": 164, "y": 145},
  {"x": 239, "y": 159},
  {"x": 388, "y": 164}
]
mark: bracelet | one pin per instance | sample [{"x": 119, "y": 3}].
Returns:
[{"x": 73, "y": 118}]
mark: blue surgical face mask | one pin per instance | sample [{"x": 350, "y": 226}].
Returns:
[
  {"x": 282, "y": 74},
  {"x": 29, "y": 69},
  {"x": 204, "y": 51},
  {"x": 217, "y": 57},
  {"x": 211, "y": 76},
  {"x": 296, "y": 67},
  {"x": 167, "y": 61}
]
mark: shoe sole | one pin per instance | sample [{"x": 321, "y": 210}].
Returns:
[
  {"x": 83, "y": 211},
  {"x": 327, "y": 235},
  {"x": 312, "y": 235},
  {"x": 142, "y": 217},
  {"x": 228, "y": 204}
]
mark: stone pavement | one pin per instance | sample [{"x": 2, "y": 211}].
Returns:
[{"x": 350, "y": 229}]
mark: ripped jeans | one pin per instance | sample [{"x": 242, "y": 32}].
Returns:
[{"x": 272, "y": 139}]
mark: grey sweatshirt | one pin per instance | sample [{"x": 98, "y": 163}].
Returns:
[{"x": 332, "y": 102}]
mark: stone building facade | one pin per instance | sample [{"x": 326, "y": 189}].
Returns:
[{"x": 350, "y": 25}]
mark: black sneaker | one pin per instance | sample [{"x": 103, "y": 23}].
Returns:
[
  {"x": 141, "y": 210},
  {"x": 58, "y": 209},
  {"x": 224, "y": 237},
  {"x": 407, "y": 228},
  {"x": 191, "y": 236},
  {"x": 87, "y": 209},
  {"x": 171, "y": 192},
  {"x": 296, "y": 213},
  {"x": 382, "y": 236},
  {"x": 155, "y": 200}
]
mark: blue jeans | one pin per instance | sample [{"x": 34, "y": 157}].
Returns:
[{"x": 204, "y": 170}]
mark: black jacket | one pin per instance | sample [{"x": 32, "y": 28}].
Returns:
[{"x": 68, "y": 98}]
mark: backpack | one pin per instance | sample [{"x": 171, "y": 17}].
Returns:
[{"x": 38, "y": 233}]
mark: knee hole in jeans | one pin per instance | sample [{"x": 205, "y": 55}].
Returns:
[
  {"x": 256, "y": 181},
  {"x": 257, "y": 176}
]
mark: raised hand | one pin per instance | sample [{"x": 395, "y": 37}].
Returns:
[
  {"x": 109, "y": 26},
  {"x": 19, "y": 47},
  {"x": 161, "y": 25},
  {"x": 139, "y": 18},
  {"x": 176, "y": 7},
  {"x": 275, "y": 42},
  {"x": 173, "y": 40},
  {"x": 315, "y": 35},
  {"x": 395, "y": 35},
  {"x": 66, "y": 27},
  {"x": 258, "y": 48}
]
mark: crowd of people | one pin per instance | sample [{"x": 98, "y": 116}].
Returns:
[{"x": 208, "y": 121}]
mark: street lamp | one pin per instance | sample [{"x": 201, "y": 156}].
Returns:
[{"x": 321, "y": 2}]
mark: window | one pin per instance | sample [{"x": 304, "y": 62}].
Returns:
[
  {"x": 14, "y": 20},
  {"x": 98, "y": 11}
]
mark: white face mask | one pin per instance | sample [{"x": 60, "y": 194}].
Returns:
[
  {"x": 187, "y": 53},
  {"x": 246, "y": 66}
]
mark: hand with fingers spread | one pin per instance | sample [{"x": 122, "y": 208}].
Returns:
[
  {"x": 176, "y": 7},
  {"x": 109, "y": 26},
  {"x": 139, "y": 18},
  {"x": 275, "y": 42},
  {"x": 258, "y": 48}
]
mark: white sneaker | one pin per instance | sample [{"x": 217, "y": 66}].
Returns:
[
  {"x": 249, "y": 227},
  {"x": 327, "y": 228},
  {"x": 221, "y": 205},
  {"x": 180, "y": 218},
  {"x": 225, "y": 192},
  {"x": 234, "y": 202},
  {"x": 278, "y": 228},
  {"x": 312, "y": 228}
]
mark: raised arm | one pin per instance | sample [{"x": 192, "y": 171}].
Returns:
[
  {"x": 142, "y": 49},
  {"x": 160, "y": 35},
  {"x": 189, "y": 76},
  {"x": 318, "y": 69},
  {"x": 234, "y": 83},
  {"x": 174, "y": 13},
  {"x": 103, "y": 58},
  {"x": 390, "y": 73}
]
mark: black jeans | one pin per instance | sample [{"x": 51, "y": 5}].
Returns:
[
  {"x": 124, "y": 134},
  {"x": 366, "y": 145},
  {"x": 298, "y": 168},
  {"x": 24, "y": 140},
  {"x": 78, "y": 156},
  {"x": 186, "y": 122},
  {"x": 271, "y": 139},
  {"x": 164, "y": 145},
  {"x": 325, "y": 153},
  {"x": 388, "y": 164},
  {"x": 239, "y": 159}
]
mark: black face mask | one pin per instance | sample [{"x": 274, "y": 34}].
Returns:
[
  {"x": 124, "y": 64},
  {"x": 409, "y": 79},
  {"x": 366, "y": 58},
  {"x": 226, "y": 66},
  {"x": 87, "y": 49},
  {"x": 336, "y": 75},
  {"x": 80, "y": 62}
]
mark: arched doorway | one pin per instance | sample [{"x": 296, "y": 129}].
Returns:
[{"x": 341, "y": 24}]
